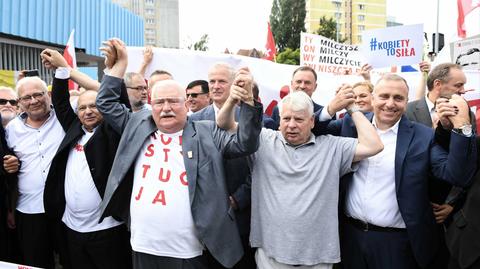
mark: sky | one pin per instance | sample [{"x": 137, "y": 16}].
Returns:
[{"x": 236, "y": 24}]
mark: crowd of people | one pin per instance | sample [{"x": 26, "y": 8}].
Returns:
[{"x": 137, "y": 173}]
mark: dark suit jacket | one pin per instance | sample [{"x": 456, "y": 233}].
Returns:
[
  {"x": 463, "y": 234},
  {"x": 7, "y": 181},
  {"x": 418, "y": 111},
  {"x": 204, "y": 147},
  {"x": 238, "y": 176},
  {"x": 7, "y": 189},
  {"x": 417, "y": 155},
  {"x": 99, "y": 151}
]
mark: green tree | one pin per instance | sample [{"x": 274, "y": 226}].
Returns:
[
  {"x": 201, "y": 44},
  {"x": 328, "y": 28},
  {"x": 289, "y": 56},
  {"x": 287, "y": 19}
]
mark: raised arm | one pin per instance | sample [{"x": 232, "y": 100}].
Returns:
[
  {"x": 240, "y": 91},
  {"x": 245, "y": 140},
  {"x": 456, "y": 165},
  {"x": 369, "y": 142},
  {"x": 365, "y": 72},
  {"x": 422, "y": 85},
  {"x": 53, "y": 60},
  {"x": 110, "y": 95},
  {"x": 147, "y": 59},
  {"x": 323, "y": 118}
]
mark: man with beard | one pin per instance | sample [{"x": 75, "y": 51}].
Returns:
[{"x": 137, "y": 91}]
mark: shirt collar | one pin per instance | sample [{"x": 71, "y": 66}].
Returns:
[
  {"x": 430, "y": 105},
  {"x": 23, "y": 116},
  {"x": 394, "y": 128},
  {"x": 85, "y": 130},
  {"x": 311, "y": 140},
  {"x": 215, "y": 108}
]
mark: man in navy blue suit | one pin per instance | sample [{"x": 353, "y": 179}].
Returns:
[{"x": 388, "y": 220}]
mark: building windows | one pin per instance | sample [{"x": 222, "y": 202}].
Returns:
[
  {"x": 149, "y": 31},
  {"x": 149, "y": 11},
  {"x": 359, "y": 38},
  {"x": 150, "y": 41},
  {"x": 361, "y": 27},
  {"x": 338, "y": 16},
  {"x": 150, "y": 21},
  {"x": 361, "y": 7},
  {"x": 149, "y": 2},
  {"x": 361, "y": 17}
]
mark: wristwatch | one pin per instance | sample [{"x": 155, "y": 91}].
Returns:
[
  {"x": 465, "y": 130},
  {"x": 353, "y": 109}
]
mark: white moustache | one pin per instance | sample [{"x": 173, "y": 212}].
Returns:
[{"x": 167, "y": 114}]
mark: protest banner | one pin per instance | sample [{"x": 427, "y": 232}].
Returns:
[
  {"x": 400, "y": 45},
  {"x": 272, "y": 78},
  {"x": 328, "y": 56},
  {"x": 466, "y": 53}
]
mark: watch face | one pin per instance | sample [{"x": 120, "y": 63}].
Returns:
[{"x": 467, "y": 130}]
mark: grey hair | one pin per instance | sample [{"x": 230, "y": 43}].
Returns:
[
  {"x": 26, "y": 80},
  {"x": 298, "y": 101},
  {"x": 9, "y": 90},
  {"x": 223, "y": 65},
  {"x": 129, "y": 77},
  {"x": 166, "y": 84}
]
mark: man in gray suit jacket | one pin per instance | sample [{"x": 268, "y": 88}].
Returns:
[
  {"x": 220, "y": 78},
  {"x": 174, "y": 223}
]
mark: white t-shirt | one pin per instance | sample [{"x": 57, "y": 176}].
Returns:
[
  {"x": 160, "y": 214},
  {"x": 82, "y": 208}
]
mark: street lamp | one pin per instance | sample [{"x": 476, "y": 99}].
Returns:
[{"x": 338, "y": 4}]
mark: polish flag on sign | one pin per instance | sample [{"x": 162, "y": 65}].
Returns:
[
  {"x": 270, "y": 49},
  {"x": 69, "y": 55},
  {"x": 464, "y": 7}
]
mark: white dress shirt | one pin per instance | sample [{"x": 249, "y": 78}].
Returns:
[
  {"x": 431, "y": 108},
  {"x": 371, "y": 196},
  {"x": 35, "y": 148}
]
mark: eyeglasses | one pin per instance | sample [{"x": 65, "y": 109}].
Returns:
[
  {"x": 139, "y": 88},
  {"x": 195, "y": 95},
  {"x": 12, "y": 102},
  {"x": 28, "y": 98},
  {"x": 173, "y": 101}
]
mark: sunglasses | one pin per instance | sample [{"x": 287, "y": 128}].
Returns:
[
  {"x": 12, "y": 102},
  {"x": 195, "y": 95}
]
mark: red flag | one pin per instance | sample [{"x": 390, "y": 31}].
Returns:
[
  {"x": 69, "y": 55},
  {"x": 464, "y": 7},
  {"x": 270, "y": 50}
]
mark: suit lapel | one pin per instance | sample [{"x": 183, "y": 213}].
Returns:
[
  {"x": 404, "y": 137},
  {"x": 190, "y": 157},
  {"x": 71, "y": 137},
  {"x": 135, "y": 139},
  {"x": 210, "y": 113},
  {"x": 422, "y": 114}
]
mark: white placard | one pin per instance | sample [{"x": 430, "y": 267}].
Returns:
[
  {"x": 328, "y": 56},
  {"x": 400, "y": 45}
]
